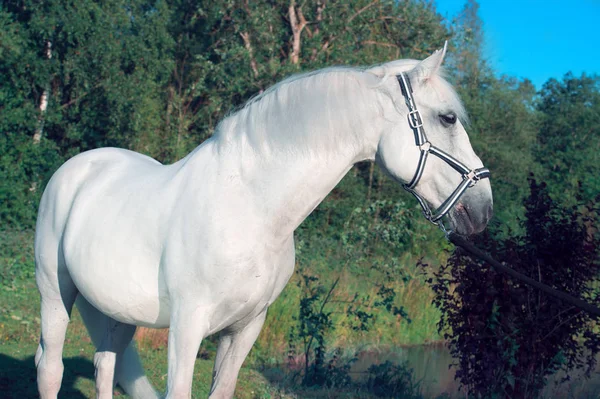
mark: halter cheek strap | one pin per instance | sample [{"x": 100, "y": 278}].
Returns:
[{"x": 470, "y": 176}]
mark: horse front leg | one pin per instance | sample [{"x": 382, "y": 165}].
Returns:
[
  {"x": 188, "y": 327},
  {"x": 231, "y": 353}
]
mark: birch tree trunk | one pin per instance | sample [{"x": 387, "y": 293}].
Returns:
[
  {"x": 298, "y": 23},
  {"x": 37, "y": 136}
]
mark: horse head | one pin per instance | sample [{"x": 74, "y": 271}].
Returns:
[{"x": 428, "y": 150}]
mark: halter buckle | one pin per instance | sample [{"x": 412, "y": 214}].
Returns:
[{"x": 414, "y": 119}]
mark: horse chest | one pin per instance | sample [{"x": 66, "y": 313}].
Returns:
[{"x": 250, "y": 288}]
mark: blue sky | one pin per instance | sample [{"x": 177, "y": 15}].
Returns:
[{"x": 538, "y": 39}]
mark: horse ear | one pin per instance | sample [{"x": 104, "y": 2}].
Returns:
[{"x": 430, "y": 65}]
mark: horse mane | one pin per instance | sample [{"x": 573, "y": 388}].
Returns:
[{"x": 320, "y": 109}]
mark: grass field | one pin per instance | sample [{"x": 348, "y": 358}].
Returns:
[{"x": 264, "y": 374}]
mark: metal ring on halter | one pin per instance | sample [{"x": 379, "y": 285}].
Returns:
[{"x": 470, "y": 176}]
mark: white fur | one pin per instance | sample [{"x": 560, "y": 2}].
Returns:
[{"x": 206, "y": 245}]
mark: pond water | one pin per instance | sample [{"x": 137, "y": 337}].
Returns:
[{"x": 431, "y": 369}]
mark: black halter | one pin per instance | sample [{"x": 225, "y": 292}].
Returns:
[{"x": 470, "y": 176}]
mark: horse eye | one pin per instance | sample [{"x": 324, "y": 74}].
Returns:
[{"x": 449, "y": 119}]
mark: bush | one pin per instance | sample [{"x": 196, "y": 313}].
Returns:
[
  {"x": 316, "y": 325},
  {"x": 393, "y": 380},
  {"x": 506, "y": 336}
]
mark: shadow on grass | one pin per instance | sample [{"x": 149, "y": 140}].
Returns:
[{"x": 18, "y": 377}]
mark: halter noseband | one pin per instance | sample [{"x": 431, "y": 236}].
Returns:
[{"x": 470, "y": 176}]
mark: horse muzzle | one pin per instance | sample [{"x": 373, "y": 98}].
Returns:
[{"x": 470, "y": 215}]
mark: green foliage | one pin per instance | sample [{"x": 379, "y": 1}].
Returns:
[
  {"x": 108, "y": 62},
  {"x": 24, "y": 166},
  {"x": 503, "y": 129},
  {"x": 381, "y": 222},
  {"x": 16, "y": 259},
  {"x": 327, "y": 367},
  {"x": 569, "y": 136},
  {"x": 466, "y": 56},
  {"x": 101, "y": 67},
  {"x": 315, "y": 323},
  {"x": 19, "y": 302}
]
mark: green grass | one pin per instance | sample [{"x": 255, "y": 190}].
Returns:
[
  {"x": 18, "y": 374},
  {"x": 263, "y": 375}
]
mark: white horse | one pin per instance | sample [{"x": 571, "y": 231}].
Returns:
[{"x": 206, "y": 244}]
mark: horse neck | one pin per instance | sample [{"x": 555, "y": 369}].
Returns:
[
  {"x": 287, "y": 186},
  {"x": 299, "y": 186},
  {"x": 289, "y": 163}
]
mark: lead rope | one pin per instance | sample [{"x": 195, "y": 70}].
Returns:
[{"x": 478, "y": 253}]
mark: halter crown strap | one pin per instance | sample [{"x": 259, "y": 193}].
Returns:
[{"x": 470, "y": 176}]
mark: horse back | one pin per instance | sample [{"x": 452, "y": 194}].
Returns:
[{"x": 71, "y": 178}]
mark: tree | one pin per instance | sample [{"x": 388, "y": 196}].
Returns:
[
  {"x": 470, "y": 68},
  {"x": 100, "y": 87},
  {"x": 504, "y": 129},
  {"x": 23, "y": 164},
  {"x": 227, "y": 52},
  {"x": 569, "y": 136}
]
